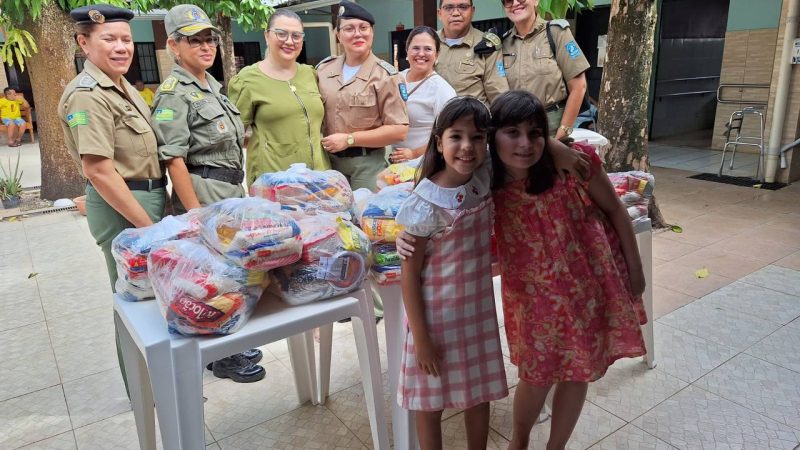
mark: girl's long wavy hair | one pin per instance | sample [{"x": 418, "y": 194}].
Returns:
[
  {"x": 455, "y": 109},
  {"x": 513, "y": 108}
]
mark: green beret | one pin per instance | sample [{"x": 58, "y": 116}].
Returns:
[{"x": 100, "y": 13}]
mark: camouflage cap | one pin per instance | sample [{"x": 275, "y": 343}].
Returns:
[{"x": 187, "y": 20}]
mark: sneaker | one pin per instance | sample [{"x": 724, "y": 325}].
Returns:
[
  {"x": 238, "y": 368},
  {"x": 254, "y": 355}
]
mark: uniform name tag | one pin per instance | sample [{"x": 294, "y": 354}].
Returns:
[
  {"x": 165, "y": 115},
  {"x": 404, "y": 91},
  {"x": 501, "y": 70},
  {"x": 77, "y": 118},
  {"x": 573, "y": 49}
]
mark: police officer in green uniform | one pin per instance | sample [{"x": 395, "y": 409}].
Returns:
[
  {"x": 200, "y": 138},
  {"x": 107, "y": 130}
]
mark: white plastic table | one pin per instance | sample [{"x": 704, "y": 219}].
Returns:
[
  {"x": 403, "y": 427},
  {"x": 168, "y": 369}
]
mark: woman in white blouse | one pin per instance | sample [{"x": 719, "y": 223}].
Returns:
[{"x": 425, "y": 92}]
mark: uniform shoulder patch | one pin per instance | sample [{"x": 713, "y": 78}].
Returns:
[
  {"x": 572, "y": 49},
  {"x": 387, "y": 67},
  {"x": 77, "y": 118},
  {"x": 87, "y": 82},
  {"x": 164, "y": 115},
  {"x": 562, "y": 23},
  {"x": 168, "y": 85},
  {"x": 329, "y": 58}
]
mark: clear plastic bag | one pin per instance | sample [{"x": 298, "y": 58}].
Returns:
[
  {"x": 252, "y": 232},
  {"x": 398, "y": 173},
  {"x": 635, "y": 189},
  {"x": 376, "y": 212},
  {"x": 311, "y": 190},
  {"x": 131, "y": 247},
  {"x": 334, "y": 262},
  {"x": 386, "y": 264},
  {"x": 199, "y": 292}
]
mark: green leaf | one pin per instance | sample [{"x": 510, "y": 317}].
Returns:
[
  {"x": 32, "y": 274},
  {"x": 676, "y": 229}
]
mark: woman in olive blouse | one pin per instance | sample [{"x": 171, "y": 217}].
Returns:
[{"x": 280, "y": 100}]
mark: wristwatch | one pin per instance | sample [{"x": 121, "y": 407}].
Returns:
[
  {"x": 567, "y": 130},
  {"x": 350, "y": 139}
]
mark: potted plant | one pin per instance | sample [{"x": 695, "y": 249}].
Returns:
[{"x": 10, "y": 184}]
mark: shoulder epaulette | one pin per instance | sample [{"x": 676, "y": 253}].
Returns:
[
  {"x": 168, "y": 85},
  {"x": 560, "y": 23},
  {"x": 387, "y": 67},
  {"x": 86, "y": 82},
  {"x": 329, "y": 58}
]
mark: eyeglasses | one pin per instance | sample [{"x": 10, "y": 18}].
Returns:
[
  {"x": 351, "y": 29},
  {"x": 197, "y": 41},
  {"x": 508, "y": 3},
  {"x": 419, "y": 49},
  {"x": 283, "y": 35},
  {"x": 461, "y": 7}
]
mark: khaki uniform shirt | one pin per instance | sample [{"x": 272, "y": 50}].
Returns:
[
  {"x": 531, "y": 65},
  {"x": 99, "y": 118},
  {"x": 483, "y": 77},
  {"x": 367, "y": 101},
  {"x": 197, "y": 122}
]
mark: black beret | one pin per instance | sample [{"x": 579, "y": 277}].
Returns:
[
  {"x": 350, "y": 10},
  {"x": 100, "y": 13}
]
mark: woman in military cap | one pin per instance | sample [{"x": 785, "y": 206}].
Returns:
[
  {"x": 107, "y": 130},
  {"x": 542, "y": 57},
  {"x": 200, "y": 138},
  {"x": 279, "y": 99},
  {"x": 364, "y": 107}
]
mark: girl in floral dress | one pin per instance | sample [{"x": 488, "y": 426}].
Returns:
[
  {"x": 572, "y": 275},
  {"x": 452, "y": 356}
]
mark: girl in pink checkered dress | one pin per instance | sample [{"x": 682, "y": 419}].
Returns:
[{"x": 451, "y": 356}]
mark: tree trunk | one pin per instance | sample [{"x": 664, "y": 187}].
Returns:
[
  {"x": 226, "y": 46},
  {"x": 625, "y": 88},
  {"x": 51, "y": 69}
]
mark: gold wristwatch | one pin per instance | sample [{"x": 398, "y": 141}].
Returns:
[
  {"x": 350, "y": 139},
  {"x": 567, "y": 130}
]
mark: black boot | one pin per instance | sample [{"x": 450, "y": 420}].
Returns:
[
  {"x": 238, "y": 368},
  {"x": 254, "y": 355}
]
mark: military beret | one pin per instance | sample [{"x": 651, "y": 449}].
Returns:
[
  {"x": 100, "y": 13},
  {"x": 350, "y": 10},
  {"x": 187, "y": 20}
]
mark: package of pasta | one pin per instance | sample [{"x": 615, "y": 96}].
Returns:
[
  {"x": 385, "y": 264},
  {"x": 252, "y": 232},
  {"x": 200, "y": 292},
  {"x": 311, "y": 190},
  {"x": 376, "y": 212},
  {"x": 131, "y": 247},
  {"x": 398, "y": 173},
  {"x": 635, "y": 189},
  {"x": 334, "y": 262}
]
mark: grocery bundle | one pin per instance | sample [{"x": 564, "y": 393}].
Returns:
[
  {"x": 201, "y": 292},
  {"x": 131, "y": 247},
  {"x": 635, "y": 189},
  {"x": 376, "y": 215},
  {"x": 311, "y": 190},
  {"x": 403, "y": 172},
  {"x": 334, "y": 261},
  {"x": 252, "y": 232}
]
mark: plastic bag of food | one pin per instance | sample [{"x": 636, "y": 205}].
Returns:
[
  {"x": 312, "y": 190},
  {"x": 334, "y": 262},
  {"x": 376, "y": 212},
  {"x": 199, "y": 292},
  {"x": 635, "y": 189},
  {"x": 398, "y": 173},
  {"x": 252, "y": 232},
  {"x": 385, "y": 264},
  {"x": 131, "y": 247}
]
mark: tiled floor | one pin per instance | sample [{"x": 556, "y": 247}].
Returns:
[{"x": 728, "y": 373}]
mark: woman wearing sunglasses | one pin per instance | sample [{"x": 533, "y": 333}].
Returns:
[
  {"x": 200, "y": 138},
  {"x": 280, "y": 101},
  {"x": 543, "y": 58}
]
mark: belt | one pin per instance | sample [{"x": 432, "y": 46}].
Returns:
[
  {"x": 352, "y": 152},
  {"x": 143, "y": 185},
  {"x": 232, "y": 176},
  {"x": 555, "y": 107}
]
